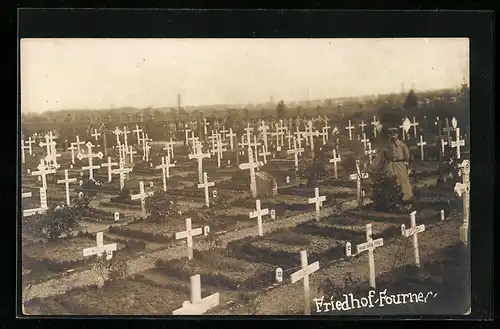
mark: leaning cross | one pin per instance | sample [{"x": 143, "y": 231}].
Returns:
[
  {"x": 318, "y": 200},
  {"x": 142, "y": 195},
  {"x": 90, "y": 156},
  {"x": 413, "y": 231},
  {"x": 304, "y": 273},
  {"x": 188, "y": 234},
  {"x": 197, "y": 305},
  {"x": 334, "y": 160},
  {"x": 259, "y": 213},
  {"x": 101, "y": 248},
  {"x": 109, "y": 164},
  {"x": 66, "y": 181},
  {"x": 206, "y": 185},
  {"x": 463, "y": 190},
  {"x": 199, "y": 155},
  {"x": 421, "y": 144}
]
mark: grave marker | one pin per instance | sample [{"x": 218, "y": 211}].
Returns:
[
  {"x": 362, "y": 125},
  {"x": 350, "y": 128},
  {"x": 165, "y": 169},
  {"x": 43, "y": 203},
  {"x": 122, "y": 171},
  {"x": 318, "y": 200},
  {"x": 375, "y": 124},
  {"x": 100, "y": 248},
  {"x": 206, "y": 230},
  {"x": 304, "y": 273},
  {"x": 90, "y": 156},
  {"x": 334, "y": 160},
  {"x": 463, "y": 190},
  {"x": 43, "y": 171},
  {"x": 413, "y": 231},
  {"x": 278, "y": 275},
  {"x": 66, "y": 181},
  {"x": 457, "y": 143},
  {"x": 197, "y": 305},
  {"x": 251, "y": 165},
  {"x": 199, "y": 156},
  {"x": 206, "y": 185},
  {"x": 188, "y": 234},
  {"x": 231, "y": 135},
  {"x": 370, "y": 246},
  {"x": 142, "y": 195},
  {"x": 358, "y": 176},
  {"x": 109, "y": 164},
  {"x": 405, "y": 127},
  {"x": 258, "y": 214},
  {"x": 72, "y": 149},
  {"x": 116, "y": 216},
  {"x": 421, "y": 144},
  {"x": 296, "y": 151}
]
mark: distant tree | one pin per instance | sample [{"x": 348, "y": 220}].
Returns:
[
  {"x": 411, "y": 100},
  {"x": 280, "y": 110}
]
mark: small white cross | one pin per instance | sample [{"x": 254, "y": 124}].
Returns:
[
  {"x": 362, "y": 125},
  {"x": 122, "y": 171},
  {"x": 206, "y": 185},
  {"x": 413, "y": 231},
  {"x": 350, "y": 128},
  {"x": 109, "y": 164},
  {"x": 375, "y": 124},
  {"x": 458, "y": 142},
  {"x": 43, "y": 171},
  {"x": 421, "y": 144},
  {"x": 334, "y": 160},
  {"x": 66, "y": 181},
  {"x": 199, "y": 156},
  {"x": 258, "y": 214},
  {"x": 96, "y": 134},
  {"x": 188, "y": 234},
  {"x": 100, "y": 248},
  {"x": 142, "y": 195},
  {"x": 197, "y": 305},
  {"x": 318, "y": 200},
  {"x": 165, "y": 167},
  {"x": 251, "y": 165}
]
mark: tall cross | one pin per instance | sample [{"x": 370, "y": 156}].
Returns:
[
  {"x": 458, "y": 142},
  {"x": 231, "y": 135},
  {"x": 258, "y": 213},
  {"x": 186, "y": 131},
  {"x": 296, "y": 151},
  {"x": 219, "y": 148},
  {"x": 264, "y": 129},
  {"x": 109, "y": 164},
  {"x": 447, "y": 129},
  {"x": 304, "y": 273},
  {"x": 370, "y": 152},
  {"x": 142, "y": 195},
  {"x": 169, "y": 147},
  {"x": 463, "y": 190},
  {"x": 165, "y": 168},
  {"x": 100, "y": 248},
  {"x": 43, "y": 171},
  {"x": 122, "y": 171},
  {"x": 334, "y": 160},
  {"x": 193, "y": 139},
  {"x": 370, "y": 246},
  {"x": 414, "y": 125},
  {"x": 324, "y": 134},
  {"x": 197, "y": 305},
  {"x": 362, "y": 125},
  {"x": 137, "y": 131},
  {"x": 72, "y": 149},
  {"x": 90, "y": 156},
  {"x": 289, "y": 137},
  {"x": 130, "y": 151},
  {"x": 282, "y": 130},
  {"x": 264, "y": 153},
  {"x": 299, "y": 137},
  {"x": 318, "y": 200},
  {"x": 364, "y": 141},
  {"x": 375, "y": 124},
  {"x": 205, "y": 124},
  {"x": 199, "y": 155},
  {"x": 255, "y": 144},
  {"x": 188, "y": 235},
  {"x": 223, "y": 132},
  {"x": 96, "y": 134},
  {"x": 117, "y": 133},
  {"x": 413, "y": 231},
  {"x": 66, "y": 181},
  {"x": 421, "y": 144},
  {"x": 357, "y": 177},
  {"x": 350, "y": 128},
  {"x": 29, "y": 142},
  {"x": 125, "y": 132},
  {"x": 311, "y": 135},
  {"x": 251, "y": 165},
  {"x": 206, "y": 184}
]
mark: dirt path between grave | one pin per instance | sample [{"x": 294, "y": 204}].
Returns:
[
  {"x": 145, "y": 262},
  {"x": 288, "y": 298}
]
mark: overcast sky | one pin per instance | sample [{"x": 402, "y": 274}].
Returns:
[{"x": 101, "y": 73}]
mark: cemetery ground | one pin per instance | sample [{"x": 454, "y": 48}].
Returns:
[{"x": 150, "y": 271}]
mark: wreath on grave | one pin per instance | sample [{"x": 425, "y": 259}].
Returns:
[
  {"x": 387, "y": 195},
  {"x": 56, "y": 221},
  {"x": 161, "y": 206}
]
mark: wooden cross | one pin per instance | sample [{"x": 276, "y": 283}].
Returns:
[
  {"x": 219, "y": 148},
  {"x": 137, "y": 131},
  {"x": 188, "y": 234},
  {"x": 463, "y": 190},
  {"x": 255, "y": 144},
  {"x": 96, "y": 134},
  {"x": 375, "y": 123},
  {"x": 405, "y": 127},
  {"x": 205, "y": 124},
  {"x": 130, "y": 151},
  {"x": 29, "y": 142},
  {"x": 251, "y": 165},
  {"x": 206, "y": 185},
  {"x": 334, "y": 160},
  {"x": 72, "y": 149},
  {"x": 447, "y": 129},
  {"x": 186, "y": 131},
  {"x": 264, "y": 153},
  {"x": 264, "y": 129},
  {"x": 125, "y": 132},
  {"x": 277, "y": 134},
  {"x": 223, "y": 132},
  {"x": 350, "y": 128},
  {"x": 109, "y": 164},
  {"x": 23, "y": 148},
  {"x": 199, "y": 155},
  {"x": 421, "y": 144},
  {"x": 370, "y": 152},
  {"x": 197, "y": 305},
  {"x": 443, "y": 143},
  {"x": 299, "y": 138},
  {"x": 117, "y": 133},
  {"x": 457, "y": 143},
  {"x": 364, "y": 141},
  {"x": 362, "y": 125},
  {"x": 311, "y": 135},
  {"x": 414, "y": 125},
  {"x": 296, "y": 151},
  {"x": 169, "y": 147},
  {"x": 304, "y": 273},
  {"x": 289, "y": 136},
  {"x": 413, "y": 231},
  {"x": 358, "y": 176},
  {"x": 43, "y": 171},
  {"x": 66, "y": 181},
  {"x": 100, "y": 248},
  {"x": 370, "y": 245},
  {"x": 142, "y": 195},
  {"x": 231, "y": 135},
  {"x": 258, "y": 214},
  {"x": 325, "y": 132},
  {"x": 281, "y": 132},
  {"x": 90, "y": 156},
  {"x": 165, "y": 168},
  {"x": 318, "y": 200},
  {"x": 43, "y": 203},
  {"x": 122, "y": 171}
]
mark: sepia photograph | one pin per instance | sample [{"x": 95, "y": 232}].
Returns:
[{"x": 236, "y": 177}]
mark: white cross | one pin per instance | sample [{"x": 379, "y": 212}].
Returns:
[
  {"x": 223, "y": 132},
  {"x": 142, "y": 195},
  {"x": 90, "y": 156},
  {"x": 296, "y": 151},
  {"x": 30, "y": 141},
  {"x": 277, "y": 134},
  {"x": 125, "y": 132},
  {"x": 251, "y": 165},
  {"x": 101, "y": 248},
  {"x": 231, "y": 135},
  {"x": 197, "y": 305},
  {"x": 23, "y": 148},
  {"x": 264, "y": 153},
  {"x": 258, "y": 214},
  {"x": 186, "y": 131},
  {"x": 43, "y": 203},
  {"x": 219, "y": 148},
  {"x": 289, "y": 136},
  {"x": 188, "y": 234},
  {"x": 362, "y": 125},
  {"x": 130, "y": 151},
  {"x": 263, "y": 129},
  {"x": 443, "y": 143},
  {"x": 96, "y": 134},
  {"x": 364, "y": 141},
  {"x": 414, "y": 125},
  {"x": 421, "y": 144},
  {"x": 457, "y": 143},
  {"x": 72, "y": 149},
  {"x": 370, "y": 245},
  {"x": 109, "y": 164},
  {"x": 137, "y": 131},
  {"x": 169, "y": 147},
  {"x": 282, "y": 130},
  {"x": 318, "y": 200},
  {"x": 334, "y": 160},
  {"x": 66, "y": 181},
  {"x": 375, "y": 124},
  {"x": 304, "y": 273},
  {"x": 325, "y": 132},
  {"x": 463, "y": 190},
  {"x": 405, "y": 127},
  {"x": 413, "y": 231},
  {"x": 370, "y": 152},
  {"x": 311, "y": 135},
  {"x": 117, "y": 133},
  {"x": 206, "y": 185},
  {"x": 299, "y": 137},
  {"x": 350, "y": 128},
  {"x": 205, "y": 124},
  {"x": 43, "y": 171},
  {"x": 358, "y": 176},
  {"x": 165, "y": 168},
  {"x": 122, "y": 171},
  {"x": 199, "y": 155}
]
